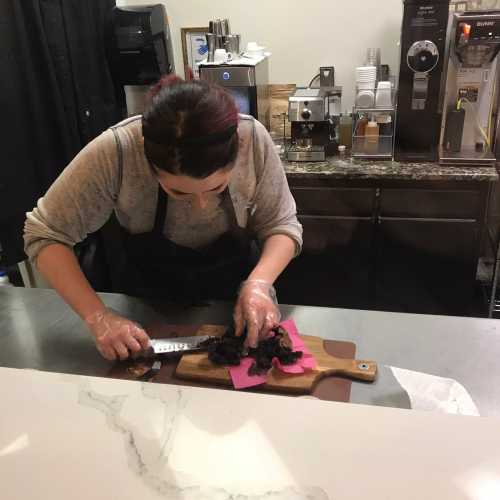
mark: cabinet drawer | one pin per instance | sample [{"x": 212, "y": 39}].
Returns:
[
  {"x": 431, "y": 204},
  {"x": 356, "y": 202}
]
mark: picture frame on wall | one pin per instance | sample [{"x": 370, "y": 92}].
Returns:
[{"x": 194, "y": 49}]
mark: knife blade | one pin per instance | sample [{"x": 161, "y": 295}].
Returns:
[{"x": 180, "y": 344}]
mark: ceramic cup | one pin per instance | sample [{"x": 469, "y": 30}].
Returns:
[
  {"x": 254, "y": 50},
  {"x": 220, "y": 56},
  {"x": 232, "y": 45}
]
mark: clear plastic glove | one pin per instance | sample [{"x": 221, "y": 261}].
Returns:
[
  {"x": 257, "y": 308},
  {"x": 116, "y": 336}
]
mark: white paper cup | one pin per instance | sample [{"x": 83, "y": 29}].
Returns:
[
  {"x": 365, "y": 99},
  {"x": 383, "y": 98},
  {"x": 365, "y": 86},
  {"x": 366, "y": 70},
  {"x": 384, "y": 85}
]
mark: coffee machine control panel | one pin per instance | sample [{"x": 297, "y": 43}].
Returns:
[
  {"x": 477, "y": 38},
  {"x": 477, "y": 31},
  {"x": 422, "y": 58},
  {"x": 307, "y": 104}
]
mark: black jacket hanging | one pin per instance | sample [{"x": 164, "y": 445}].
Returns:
[{"x": 57, "y": 94}]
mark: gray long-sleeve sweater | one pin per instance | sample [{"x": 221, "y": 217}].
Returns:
[{"x": 83, "y": 197}]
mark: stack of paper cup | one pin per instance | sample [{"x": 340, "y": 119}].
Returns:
[
  {"x": 366, "y": 77},
  {"x": 373, "y": 59},
  {"x": 384, "y": 95}
]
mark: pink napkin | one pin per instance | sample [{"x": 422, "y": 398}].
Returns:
[{"x": 239, "y": 374}]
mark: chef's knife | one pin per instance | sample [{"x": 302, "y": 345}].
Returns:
[{"x": 180, "y": 344}]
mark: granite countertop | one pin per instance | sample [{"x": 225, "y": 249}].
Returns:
[
  {"x": 349, "y": 168},
  {"x": 70, "y": 436}
]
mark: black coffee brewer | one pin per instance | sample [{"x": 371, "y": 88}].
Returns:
[{"x": 471, "y": 89}]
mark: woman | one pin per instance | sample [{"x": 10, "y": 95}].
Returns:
[{"x": 192, "y": 184}]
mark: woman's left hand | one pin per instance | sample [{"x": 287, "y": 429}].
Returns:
[{"x": 257, "y": 308}]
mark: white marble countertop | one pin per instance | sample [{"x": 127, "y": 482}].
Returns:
[{"x": 73, "y": 437}]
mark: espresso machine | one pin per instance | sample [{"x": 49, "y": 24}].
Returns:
[
  {"x": 423, "y": 39},
  {"x": 310, "y": 126},
  {"x": 314, "y": 114},
  {"x": 471, "y": 89}
]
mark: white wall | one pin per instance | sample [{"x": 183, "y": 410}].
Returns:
[{"x": 302, "y": 35}]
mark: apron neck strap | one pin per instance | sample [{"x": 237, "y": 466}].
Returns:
[
  {"x": 162, "y": 206},
  {"x": 161, "y": 211}
]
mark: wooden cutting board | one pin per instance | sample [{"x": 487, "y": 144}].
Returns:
[
  {"x": 328, "y": 388},
  {"x": 197, "y": 367}
]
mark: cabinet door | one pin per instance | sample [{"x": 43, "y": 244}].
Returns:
[
  {"x": 426, "y": 265},
  {"x": 335, "y": 267}
]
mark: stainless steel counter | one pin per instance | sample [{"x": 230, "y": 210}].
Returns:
[{"x": 37, "y": 330}]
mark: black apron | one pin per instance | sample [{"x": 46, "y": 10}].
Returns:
[{"x": 157, "y": 267}]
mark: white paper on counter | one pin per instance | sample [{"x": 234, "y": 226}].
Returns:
[{"x": 432, "y": 393}]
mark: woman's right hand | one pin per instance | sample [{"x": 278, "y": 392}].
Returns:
[{"x": 116, "y": 336}]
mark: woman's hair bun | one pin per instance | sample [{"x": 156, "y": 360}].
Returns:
[
  {"x": 165, "y": 81},
  {"x": 190, "y": 127}
]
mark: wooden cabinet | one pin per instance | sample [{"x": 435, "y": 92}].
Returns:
[
  {"x": 334, "y": 266},
  {"x": 425, "y": 265},
  {"x": 393, "y": 245}
]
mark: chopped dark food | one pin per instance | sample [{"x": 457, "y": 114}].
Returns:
[
  {"x": 226, "y": 350},
  {"x": 229, "y": 349}
]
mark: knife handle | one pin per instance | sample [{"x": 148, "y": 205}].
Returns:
[{"x": 359, "y": 369}]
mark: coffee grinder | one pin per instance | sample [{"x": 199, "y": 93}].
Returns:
[
  {"x": 470, "y": 90},
  {"x": 423, "y": 40}
]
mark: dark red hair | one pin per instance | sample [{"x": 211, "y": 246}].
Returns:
[{"x": 190, "y": 127}]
